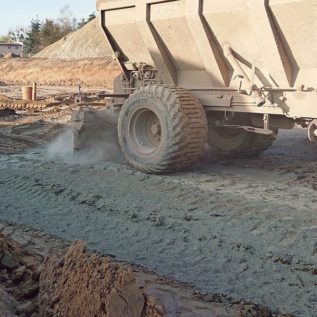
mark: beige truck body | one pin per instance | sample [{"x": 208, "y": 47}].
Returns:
[{"x": 221, "y": 50}]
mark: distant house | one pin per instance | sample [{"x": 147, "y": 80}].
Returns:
[{"x": 14, "y": 48}]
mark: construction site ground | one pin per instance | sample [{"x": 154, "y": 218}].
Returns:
[
  {"x": 89, "y": 72},
  {"x": 225, "y": 235}
]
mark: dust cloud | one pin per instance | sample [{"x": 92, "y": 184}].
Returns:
[
  {"x": 61, "y": 148},
  {"x": 105, "y": 148}
]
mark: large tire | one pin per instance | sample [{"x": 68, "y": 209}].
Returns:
[
  {"x": 237, "y": 143},
  {"x": 162, "y": 129}
]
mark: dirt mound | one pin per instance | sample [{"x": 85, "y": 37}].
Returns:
[
  {"x": 82, "y": 57},
  {"x": 83, "y": 284},
  {"x": 19, "y": 277},
  {"x": 80, "y": 284},
  {"x": 87, "y": 42},
  {"x": 88, "y": 72}
]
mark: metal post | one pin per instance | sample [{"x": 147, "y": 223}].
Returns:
[{"x": 34, "y": 91}]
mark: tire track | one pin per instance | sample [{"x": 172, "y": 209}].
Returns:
[{"x": 146, "y": 220}]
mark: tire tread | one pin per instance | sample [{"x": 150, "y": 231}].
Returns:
[{"x": 188, "y": 128}]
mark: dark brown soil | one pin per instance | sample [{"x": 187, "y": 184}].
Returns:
[
  {"x": 19, "y": 277},
  {"x": 83, "y": 284},
  {"x": 78, "y": 284}
]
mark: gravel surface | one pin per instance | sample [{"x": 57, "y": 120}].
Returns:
[{"x": 247, "y": 230}]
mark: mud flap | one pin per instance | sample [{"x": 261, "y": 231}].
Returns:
[{"x": 95, "y": 135}]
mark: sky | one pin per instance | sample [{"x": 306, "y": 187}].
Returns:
[{"x": 15, "y": 13}]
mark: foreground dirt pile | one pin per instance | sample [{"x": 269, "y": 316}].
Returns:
[
  {"x": 80, "y": 284},
  {"x": 98, "y": 72},
  {"x": 83, "y": 284},
  {"x": 19, "y": 280},
  {"x": 88, "y": 42}
]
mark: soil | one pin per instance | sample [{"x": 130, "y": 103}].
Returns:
[
  {"x": 261, "y": 250},
  {"x": 86, "y": 72},
  {"x": 78, "y": 284},
  {"x": 19, "y": 275},
  {"x": 82, "y": 284},
  {"x": 68, "y": 280},
  {"x": 229, "y": 238}
]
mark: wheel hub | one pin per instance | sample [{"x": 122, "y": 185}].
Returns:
[
  {"x": 145, "y": 131},
  {"x": 156, "y": 130}
]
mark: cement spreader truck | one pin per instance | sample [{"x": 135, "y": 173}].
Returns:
[{"x": 228, "y": 73}]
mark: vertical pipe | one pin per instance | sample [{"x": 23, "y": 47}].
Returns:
[{"x": 34, "y": 91}]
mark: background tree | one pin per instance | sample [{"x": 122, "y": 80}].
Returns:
[
  {"x": 50, "y": 33},
  {"x": 66, "y": 21},
  {"x": 32, "y": 42}
]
